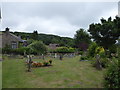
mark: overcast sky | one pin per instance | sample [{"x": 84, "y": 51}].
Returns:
[{"x": 59, "y": 18}]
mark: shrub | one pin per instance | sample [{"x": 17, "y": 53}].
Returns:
[
  {"x": 113, "y": 49},
  {"x": 111, "y": 78},
  {"x": 64, "y": 50},
  {"x": 81, "y": 52},
  {"x": 83, "y": 58},
  {"x": 45, "y": 63},
  {"x": 91, "y": 49},
  {"x": 104, "y": 62},
  {"x": 7, "y": 49},
  {"x": 38, "y": 47},
  {"x": 100, "y": 51},
  {"x": 50, "y": 61}
]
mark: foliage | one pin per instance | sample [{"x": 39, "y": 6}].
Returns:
[
  {"x": 83, "y": 58},
  {"x": 47, "y": 39},
  {"x": 24, "y": 50},
  {"x": 38, "y": 47},
  {"x": 80, "y": 52},
  {"x": 111, "y": 78},
  {"x": 46, "y": 63},
  {"x": 7, "y": 49},
  {"x": 113, "y": 49},
  {"x": 82, "y": 39},
  {"x": 91, "y": 49},
  {"x": 100, "y": 51},
  {"x": 104, "y": 62},
  {"x": 50, "y": 61},
  {"x": 105, "y": 33},
  {"x": 65, "y": 50},
  {"x": 34, "y": 35}
]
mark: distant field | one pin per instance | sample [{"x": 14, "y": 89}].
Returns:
[{"x": 69, "y": 73}]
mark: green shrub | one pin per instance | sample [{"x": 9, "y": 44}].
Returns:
[
  {"x": 104, "y": 62},
  {"x": 91, "y": 49},
  {"x": 81, "y": 52},
  {"x": 113, "y": 49},
  {"x": 45, "y": 63},
  {"x": 101, "y": 51},
  {"x": 7, "y": 49},
  {"x": 111, "y": 78},
  {"x": 83, "y": 58},
  {"x": 65, "y": 50}
]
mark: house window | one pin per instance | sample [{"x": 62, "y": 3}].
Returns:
[{"x": 14, "y": 45}]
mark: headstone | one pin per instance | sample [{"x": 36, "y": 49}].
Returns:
[
  {"x": 98, "y": 63},
  {"x": 61, "y": 56},
  {"x": 55, "y": 55},
  {"x": 29, "y": 63}
]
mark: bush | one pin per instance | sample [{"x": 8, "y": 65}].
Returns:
[
  {"x": 81, "y": 52},
  {"x": 104, "y": 62},
  {"x": 91, "y": 49},
  {"x": 65, "y": 50},
  {"x": 45, "y": 63},
  {"x": 7, "y": 49},
  {"x": 83, "y": 58},
  {"x": 111, "y": 78},
  {"x": 38, "y": 47},
  {"x": 113, "y": 49}
]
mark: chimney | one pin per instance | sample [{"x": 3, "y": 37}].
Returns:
[{"x": 7, "y": 30}]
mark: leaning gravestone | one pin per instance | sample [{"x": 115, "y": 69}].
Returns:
[
  {"x": 98, "y": 63},
  {"x": 29, "y": 63}
]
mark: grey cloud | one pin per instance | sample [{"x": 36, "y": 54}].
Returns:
[{"x": 73, "y": 15}]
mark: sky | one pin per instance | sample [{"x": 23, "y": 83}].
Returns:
[{"x": 58, "y": 18}]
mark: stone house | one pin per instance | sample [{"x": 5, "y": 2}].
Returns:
[
  {"x": 10, "y": 39},
  {"x": 53, "y": 46}
]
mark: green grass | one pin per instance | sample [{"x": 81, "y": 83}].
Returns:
[
  {"x": 69, "y": 73},
  {"x": 0, "y": 74}
]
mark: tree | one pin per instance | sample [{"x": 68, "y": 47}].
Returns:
[
  {"x": 34, "y": 35},
  {"x": 39, "y": 47},
  {"x": 106, "y": 33},
  {"x": 82, "y": 39}
]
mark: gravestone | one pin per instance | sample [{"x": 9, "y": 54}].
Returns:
[
  {"x": 29, "y": 63},
  {"x": 61, "y": 56},
  {"x": 98, "y": 63}
]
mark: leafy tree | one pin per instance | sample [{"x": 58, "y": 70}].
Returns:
[
  {"x": 82, "y": 39},
  {"x": 39, "y": 47},
  {"x": 106, "y": 33}
]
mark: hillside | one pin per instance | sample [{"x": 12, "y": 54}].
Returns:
[{"x": 48, "y": 38}]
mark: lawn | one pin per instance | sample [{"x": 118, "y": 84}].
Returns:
[
  {"x": 0, "y": 74},
  {"x": 69, "y": 73}
]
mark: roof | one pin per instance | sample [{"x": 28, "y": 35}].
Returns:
[{"x": 18, "y": 38}]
